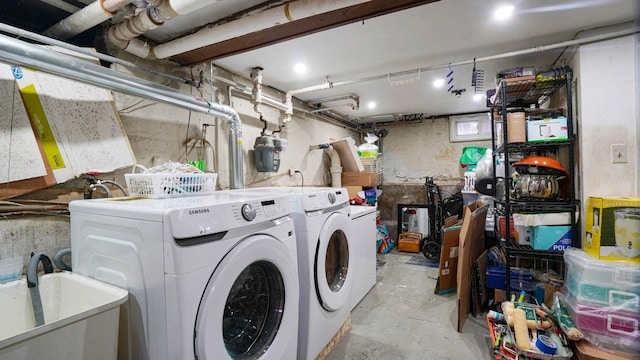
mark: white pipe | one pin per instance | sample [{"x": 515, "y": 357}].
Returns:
[
  {"x": 84, "y": 19},
  {"x": 62, "y": 5},
  {"x": 256, "y": 93},
  {"x": 269, "y": 18},
  {"x": 289, "y": 96},
  {"x": 124, "y": 34},
  {"x": 336, "y": 168}
]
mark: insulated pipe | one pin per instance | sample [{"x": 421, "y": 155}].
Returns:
[
  {"x": 18, "y": 52},
  {"x": 86, "y": 18},
  {"x": 124, "y": 34},
  {"x": 291, "y": 11}
]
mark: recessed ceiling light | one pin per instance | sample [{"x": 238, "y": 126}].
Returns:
[
  {"x": 438, "y": 83},
  {"x": 478, "y": 97},
  {"x": 300, "y": 68},
  {"x": 503, "y": 13},
  {"x": 371, "y": 105}
]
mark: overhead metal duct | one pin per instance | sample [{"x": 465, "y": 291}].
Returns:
[{"x": 18, "y": 52}]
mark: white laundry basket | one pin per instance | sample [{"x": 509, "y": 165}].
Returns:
[{"x": 165, "y": 185}]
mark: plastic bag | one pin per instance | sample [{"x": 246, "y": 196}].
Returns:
[
  {"x": 471, "y": 155},
  {"x": 383, "y": 239},
  {"x": 484, "y": 169},
  {"x": 369, "y": 149}
]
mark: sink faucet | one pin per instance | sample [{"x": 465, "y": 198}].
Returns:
[{"x": 32, "y": 283}]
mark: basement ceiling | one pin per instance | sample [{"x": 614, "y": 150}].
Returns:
[{"x": 383, "y": 52}]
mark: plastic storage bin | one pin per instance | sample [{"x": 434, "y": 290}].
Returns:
[
  {"x": 81, "y": 319},
  {"x": 521, "y": 279},
  {"x": 607, "y": 326},
  {"x": 602, "y": 283}
]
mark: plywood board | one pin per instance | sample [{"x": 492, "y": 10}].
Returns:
[
  {"x": 17, "y": 139},
  {"x": 77, "y": 125}
]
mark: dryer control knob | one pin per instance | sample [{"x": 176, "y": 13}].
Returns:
[
  {"x": 332, "y": 198},
  {"x": 248, "y": 212}
]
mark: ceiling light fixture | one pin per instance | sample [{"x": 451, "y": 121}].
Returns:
[
  {"x": 438, "y": 83},
  {"x": 503, "y": 13},
  {"x": 371, "y": 105},
  {"x": 300, "y": 68}
]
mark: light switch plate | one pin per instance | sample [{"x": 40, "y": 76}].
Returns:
[{"x": 618, "y": 153}]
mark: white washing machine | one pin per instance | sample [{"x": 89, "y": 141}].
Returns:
[
  {"x": 325, "y": 262},
  {"x": 363, "y": 238},
  {"x": 209, "y": 277}
]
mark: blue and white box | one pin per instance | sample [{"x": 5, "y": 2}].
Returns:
[{"x": 552, "y": 238}]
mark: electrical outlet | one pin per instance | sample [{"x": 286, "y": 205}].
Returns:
[
  {"x": 292, "y": 171},
  {"x": 618, "y": 153}
]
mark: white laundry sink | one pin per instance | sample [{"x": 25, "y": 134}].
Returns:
[{"x": 81, "y": 319}]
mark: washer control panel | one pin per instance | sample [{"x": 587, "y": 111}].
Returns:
[{"x": 261, "y": 210}]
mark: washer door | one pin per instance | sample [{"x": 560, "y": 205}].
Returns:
[
  {"x": 332, "y": 275},
  {"x": 249, "y": 308}
]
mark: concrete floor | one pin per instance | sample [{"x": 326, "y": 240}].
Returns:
[{"x": 402, "y": 319}]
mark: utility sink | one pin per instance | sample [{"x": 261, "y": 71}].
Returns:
[{"x": 81, "y": 319}]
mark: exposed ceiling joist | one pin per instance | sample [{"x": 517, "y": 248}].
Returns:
[{"x": 296, "y": 28}]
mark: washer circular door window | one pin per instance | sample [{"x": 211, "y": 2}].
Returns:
[
  {"x": 332, "y": 276},
  {"x": 250, "y": 303}
]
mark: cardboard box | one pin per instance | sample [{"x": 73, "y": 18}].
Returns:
[
  {"x": 601, "y": 240},
  {"x": 359, "y": 179},
  {"x": 448, "y": 270},
  {"x": 549, "y": 129},
  {"x": 552, "y": 238},
  {"x": 517, "y": 132},
  {"x": 348, "y": 152},
  {"x": 471, "y": 247},
  {"x": 353, "y": 191},
  {"x": 584, "y": 350}
]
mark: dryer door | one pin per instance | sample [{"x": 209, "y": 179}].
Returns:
[
  {"x": 249, "y": 308},
  {"x": 332, "y": 275}
]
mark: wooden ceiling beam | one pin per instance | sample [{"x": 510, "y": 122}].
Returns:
[{"x": 295, "y": 29}]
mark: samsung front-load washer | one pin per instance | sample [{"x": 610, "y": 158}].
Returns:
[
  {"x": 325, "y": 261},
  {"x": 209, "y": 277}
]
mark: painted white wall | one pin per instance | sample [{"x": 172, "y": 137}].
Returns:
[{"x": 608, "y": 113}]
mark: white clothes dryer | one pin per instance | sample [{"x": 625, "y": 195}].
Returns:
[
  {"x": 325, "y": 262},
  {"x": 209, "y": 277}
]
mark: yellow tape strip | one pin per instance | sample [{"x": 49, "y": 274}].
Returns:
[
  {"x": 287, "y": 13},
  {"x": 41, "y": 125}
]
